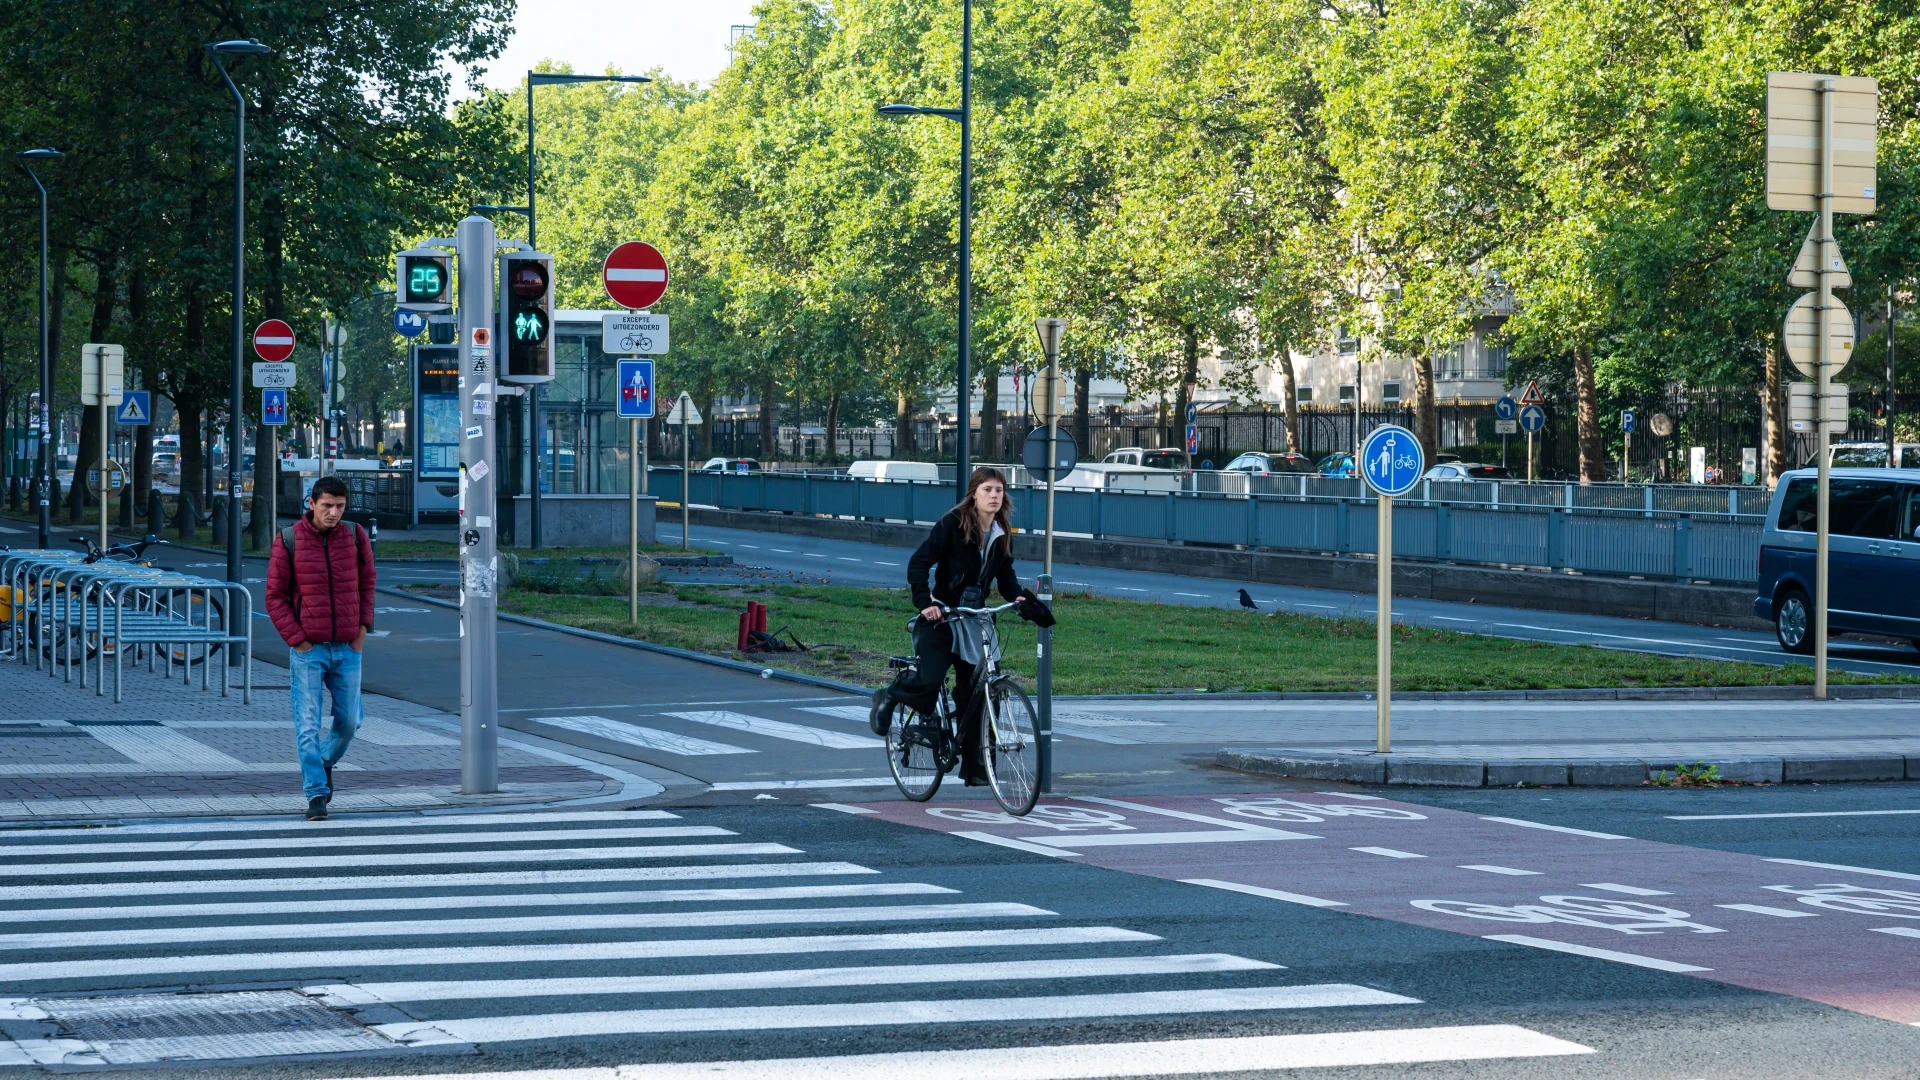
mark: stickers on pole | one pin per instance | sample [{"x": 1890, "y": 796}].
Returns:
[{"x": 1391, "y": 460}]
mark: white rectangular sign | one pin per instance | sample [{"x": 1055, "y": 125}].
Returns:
[
  {"x": 627, "y": 334},
  {"x": 280, "y": 375},
  {"x": 1794, "y": 131},
  {"x": 1506, "y": 427},
  {"x": 98, "y": 362}
]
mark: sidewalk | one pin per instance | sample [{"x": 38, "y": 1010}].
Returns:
[{"x": 170, "y": 749}]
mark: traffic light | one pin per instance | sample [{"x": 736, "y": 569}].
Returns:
[
  {"x": 423, "y": 281},
  {"x": 526, "y": 316}
]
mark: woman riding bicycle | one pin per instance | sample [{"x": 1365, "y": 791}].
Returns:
[{"x": 970, "y": 547}]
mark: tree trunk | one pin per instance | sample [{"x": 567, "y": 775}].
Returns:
[
  {"x": 1290, "y": 399},
  {"x": 990, "y": 413},
  {"x": 1426, "y": 414},
  {"x": 87, "y": 457},
  {"x": 1082, "y": 417},
  {"x": 187, "y": 413},
  {"x": 1593, "y": 463},
  {"x": 1189, "y": 379},
  {"x": 833, "y": 426},
  {"x": 142, "y": 360},
  {"x": 706, "y": 429},
  {"x": 769, "y": 435},
  {"x": 903, "y": 425},
  {"x": 1774, "y": 415}
]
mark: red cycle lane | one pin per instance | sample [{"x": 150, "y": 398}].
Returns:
[{"x": 1848, "y": 937}]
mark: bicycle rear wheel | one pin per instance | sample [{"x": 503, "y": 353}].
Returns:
[
  {"x": 1012, "y": 743},
  {"x": 913, "y": 752}
]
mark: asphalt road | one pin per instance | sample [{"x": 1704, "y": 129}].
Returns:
[
  {"x": 851, "y": 563},
  {"x": 788, "y": 933}
]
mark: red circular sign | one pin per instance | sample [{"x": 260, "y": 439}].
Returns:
[
  {"x": 273, "y": 341},
  {"x": 635, "y": 274}
]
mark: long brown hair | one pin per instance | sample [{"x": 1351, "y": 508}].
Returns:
[{"x": 970, "y": 518}]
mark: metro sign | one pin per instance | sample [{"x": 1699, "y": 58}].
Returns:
[{"x": 635, "y": 274}]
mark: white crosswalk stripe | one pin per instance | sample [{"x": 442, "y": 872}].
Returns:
[
  {"x": 781, "y": 729},
  {"x": 581, "y": 925}
]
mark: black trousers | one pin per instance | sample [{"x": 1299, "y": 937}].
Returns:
[{"x": 933, "y": 645}]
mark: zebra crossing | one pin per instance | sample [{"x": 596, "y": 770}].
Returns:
[{"x": 242, "y": 940}]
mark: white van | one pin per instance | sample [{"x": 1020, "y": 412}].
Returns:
[
  {"x": 1106, "y": 476},
  {"x": 876, "y": 469}
]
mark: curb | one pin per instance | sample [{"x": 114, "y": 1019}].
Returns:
[
  {"x": 1416, "y": 770},
  {"x": 1651, "y": 693},
  {"x": 647, "y": 646}
]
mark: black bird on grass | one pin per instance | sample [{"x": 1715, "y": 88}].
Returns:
[{"x": 1246, "y": 602}]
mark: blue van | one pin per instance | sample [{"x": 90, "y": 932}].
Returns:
[{"x": 1873, "y": 559}]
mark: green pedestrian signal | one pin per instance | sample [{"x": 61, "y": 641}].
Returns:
[
  {"x": 529, "y": 326},
  {"x": 526, "y": 316}
]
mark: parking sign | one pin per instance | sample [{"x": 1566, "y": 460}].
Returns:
[{"x": 636, "y": 390}]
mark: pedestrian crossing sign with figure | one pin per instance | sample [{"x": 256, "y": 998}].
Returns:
[
  {"x": 1391, "y": 460},
  {"x": 636, "y": 389}
]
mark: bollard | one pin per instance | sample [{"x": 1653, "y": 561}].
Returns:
[
  {"x": 184, "y": 517},
  {"x": 126, "y": 507},
  {"x": 219, "y": 518},
  {"x": 76, "y": 501},
  {"x": 156, "y": 513}
]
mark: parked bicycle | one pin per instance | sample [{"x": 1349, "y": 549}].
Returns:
[{"x": 922, "y": 748}]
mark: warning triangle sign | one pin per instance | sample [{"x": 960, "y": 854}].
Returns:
[
  {"x": 1806, "y": 268},
  {"x": 134, "y": 409}
]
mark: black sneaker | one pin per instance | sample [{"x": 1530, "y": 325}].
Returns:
[{"x": 317, "y": 808}]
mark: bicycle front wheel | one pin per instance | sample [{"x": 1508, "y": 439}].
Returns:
[
  {"x": 913, "y": 753},
  {"x": 1012, "y": 742}
]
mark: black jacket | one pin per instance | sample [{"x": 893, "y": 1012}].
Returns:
[{"x": 956, "y": 566}]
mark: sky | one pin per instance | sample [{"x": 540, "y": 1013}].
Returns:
[{"x": 686, "y": 37}]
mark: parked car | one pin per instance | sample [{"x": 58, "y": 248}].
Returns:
[
  {"x": 1339, "y": 464},
  {"x": 1165, "y": 458},
  {"x": 731, "y": 464},
  {"x": 1873, "y": 563},
  {"x": 166, "y": 465},
  {"x": 1872, "y": 455},
  {"x": 874, "y": 469},
  {"x": 1262, "y": 464},
  {"x": 1465, "y": 470}
]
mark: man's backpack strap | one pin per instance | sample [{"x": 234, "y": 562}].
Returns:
[{"x": 286, "y": 540}]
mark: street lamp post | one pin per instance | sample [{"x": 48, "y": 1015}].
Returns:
[
  {"x": 964, "y": 117},
  {"x": 542, "y": 78},
  {"x": 45, "y": 479},
  {"x": 235, "y": 385}
]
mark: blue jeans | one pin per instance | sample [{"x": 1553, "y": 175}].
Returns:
[{"x": 337, "y": 666}]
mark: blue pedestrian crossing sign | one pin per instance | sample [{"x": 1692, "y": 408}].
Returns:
[
  {"x": 273, "y": 406},
  {"x": 136, "y": 409},
  {"x": 409, "y": 323},
  {"x": 636, "y": 390},
  {"x": 1391, "y": 460},
  {"x": 1505, "y": 408},
  {"x": 1532, "y": 418}
]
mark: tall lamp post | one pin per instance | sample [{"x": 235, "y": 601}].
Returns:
[
  {"x": 964, "y": 117},
  {"x": 235, "y": 384},
  {"x": 45, "y": 479},
  {"x": 543, "y": 78}
]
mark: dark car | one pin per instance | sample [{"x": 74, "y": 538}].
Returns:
[
  {"x": 1264, "y": 464},
  {"x": 1873, "y": 561}
]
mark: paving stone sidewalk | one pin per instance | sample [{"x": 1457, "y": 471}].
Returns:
[{"x": 169, "y": 749}]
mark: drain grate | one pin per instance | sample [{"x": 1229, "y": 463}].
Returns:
[{"x": 144, "y": 1028}]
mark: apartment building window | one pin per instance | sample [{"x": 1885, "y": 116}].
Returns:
[
  {"x": 1452, "y": 362},
  {"x": 1496, "y": 353},
  {"x": 1390, "y": 393},
  {"x": 1346, "y": 393},
  {"x": 1346, "y": 343},
  {"x": 1303, "y": 395}
]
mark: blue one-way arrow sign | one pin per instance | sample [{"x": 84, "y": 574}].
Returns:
[{"x": 136, "y": 409}]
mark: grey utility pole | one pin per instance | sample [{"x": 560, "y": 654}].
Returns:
[
  {"x": 236, "y": 386},
  {"x": 43, "y": 417},
  {"x": 479, "y": 551}
]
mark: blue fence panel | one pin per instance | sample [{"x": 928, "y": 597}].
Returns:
[
  {"x": 784, "y": 492},
  {"x": 884, "y": 500},
  {"x": 835, "y": 495},
  {"x": 1513, "y": 537},
  {"x": 1287, "y": 525},
  {"x": 1415, "y": 530},
  {"x": 1133, "y": 515},
  {"x": 1210, "y": 519},
  {"x": 1620, "y": 544},
  {"x": 1726, "y": 550}
]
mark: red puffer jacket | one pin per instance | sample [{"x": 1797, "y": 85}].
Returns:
[{"x": 323, "y": 591}]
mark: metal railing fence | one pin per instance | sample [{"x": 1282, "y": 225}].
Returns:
[{"x": 1713, "y": 546}]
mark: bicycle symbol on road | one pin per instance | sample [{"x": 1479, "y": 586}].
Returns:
[
  {"x": 1880, "y": 903},
  {"x": 1624, "y": 916},
  {"x": 1057, "y": 818},
  {"x": 1274, "y": 808}
]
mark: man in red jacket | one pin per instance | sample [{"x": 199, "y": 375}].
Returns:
[{"x": 320, "y": 596}]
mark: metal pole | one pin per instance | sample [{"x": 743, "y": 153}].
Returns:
[
  {"x": 101, "y": 359},
  {"x": 1383, "y": 631},
  {"x": 1824, "y": 93},
  {"x": 644, "y": 464},
  {"x": 538, "y": 451},
  {"x": 273, "y": 487},
  {"x": 1046, "y": 577},
  {"x": 45, "y": 482},
  {"x": 686, "y": 462},
  {"x": 1529, "y": 457},
  {"x": 1893, "y": 462},
  {"x": 1626, "y": 455},
  {"x": 633, "y": 522},
  {"x": 479, "y": 553},
  {"x": 962, "y": 456}
]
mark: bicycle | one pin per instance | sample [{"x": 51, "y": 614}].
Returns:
[{"x": 922, "y": 748}]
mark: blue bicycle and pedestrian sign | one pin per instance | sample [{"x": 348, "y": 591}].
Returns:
[
  {"x": 1532, "y": 419},
  {"x": 273, "y": 407},
  {"x": 636, "y": 390},
  {"x": 1391, "y": 460},
  {"x": 1505, "y": 408}
]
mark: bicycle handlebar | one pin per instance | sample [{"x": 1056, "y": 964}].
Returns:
[{"x": 976, "y": 610}]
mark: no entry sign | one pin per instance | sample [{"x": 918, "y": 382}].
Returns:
[
  {"x": 635, "y": 274},
  {"x": 273, "y": 341}
]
